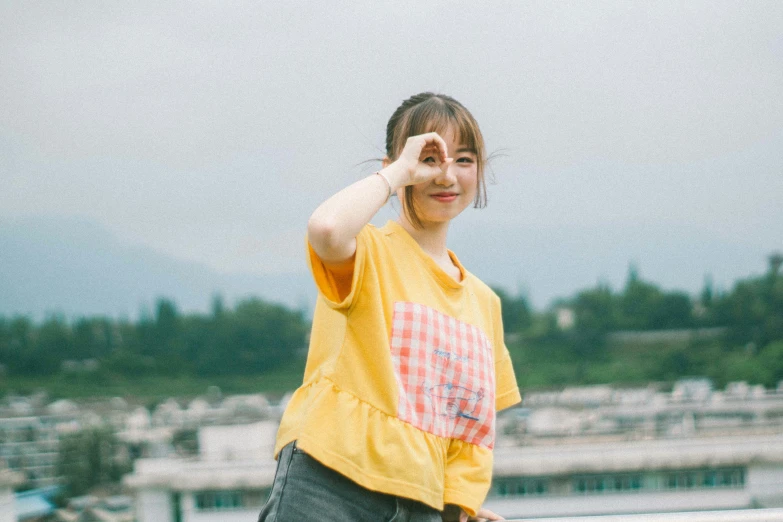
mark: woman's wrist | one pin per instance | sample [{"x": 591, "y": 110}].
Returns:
[{"x": 396, "y": 175}]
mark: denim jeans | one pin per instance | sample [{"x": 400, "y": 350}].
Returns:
[{"x": 304, "y": 490}]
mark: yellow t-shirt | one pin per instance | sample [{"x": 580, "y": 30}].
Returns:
[{"x": 404, "y": 375}]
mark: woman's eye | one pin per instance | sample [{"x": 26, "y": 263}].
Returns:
[
  {"x": 429, "y": 159},
  {"x": 465, "y": 160}
]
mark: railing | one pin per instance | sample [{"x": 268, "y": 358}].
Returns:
[{"x": 745, "y": 515}]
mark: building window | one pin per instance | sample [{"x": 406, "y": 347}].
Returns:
[
  {"x": 230, "y": 499},
  {"x": 519, "y": 486},
  {"x": 218, "y": 500},
  {"x": 176, "y": 507},
  {"x": 683, "y": 479},
  {"x": 709, "y": 478},
  {"x": 619, "y": 483},
  {"x": 588, "y": 484}
]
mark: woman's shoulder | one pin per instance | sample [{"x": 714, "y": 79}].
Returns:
[
  {"x": 370, "y": 234},
  {"x": 378, "y": 232},
  {"x": 389, "y": 236}
]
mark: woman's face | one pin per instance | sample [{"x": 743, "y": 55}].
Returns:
[{"x": 444, "y": 197}]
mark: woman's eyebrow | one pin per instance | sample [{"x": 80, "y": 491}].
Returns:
[{"x": 466, "y": 149}]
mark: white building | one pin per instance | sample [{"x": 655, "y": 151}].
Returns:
[
  {"x": 30, "y": 444},
  {"x": 577, "y": 452},
  {"x": 8, "y": 481},
  {"x": 30, "y": 433},
  {"x": 646, "y": 476},
  {"x": 573, "y": 479},
  {"x": 228, "y": 482}
]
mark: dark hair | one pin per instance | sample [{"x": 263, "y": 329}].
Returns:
[{"x": 430, "y": 112}]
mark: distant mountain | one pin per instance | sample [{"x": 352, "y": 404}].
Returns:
[{"x": 76, "y": 267}]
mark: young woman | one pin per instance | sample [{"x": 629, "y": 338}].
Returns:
[{"x": 407, "y": 366}]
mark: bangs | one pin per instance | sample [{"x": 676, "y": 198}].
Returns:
[{"x": 437, "y": 115}]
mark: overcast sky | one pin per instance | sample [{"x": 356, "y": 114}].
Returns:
[{"x": 210, "y": 130}]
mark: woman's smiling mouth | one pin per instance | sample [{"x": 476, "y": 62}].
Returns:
[{"x": 445, "y": 197}]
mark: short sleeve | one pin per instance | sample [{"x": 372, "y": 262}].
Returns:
[
  {"x": 506, "y": 388},
  {"x": 468, "y": 475},
  {"x": 328, "y": 283}
]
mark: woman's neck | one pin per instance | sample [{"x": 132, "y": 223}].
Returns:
[{"x": 431, "y": 237}]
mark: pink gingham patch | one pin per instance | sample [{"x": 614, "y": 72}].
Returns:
[{"x": 445, "y": 374}]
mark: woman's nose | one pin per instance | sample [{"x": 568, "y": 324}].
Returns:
[{"x": 448, "y": 177}]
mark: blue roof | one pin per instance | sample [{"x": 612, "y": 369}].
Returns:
[
  {"x": 31, "y": 506},
  {"x": 46, "y": 492}
]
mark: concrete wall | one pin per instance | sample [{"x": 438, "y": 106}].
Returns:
[
  {"x": 765, "y": 484},
  {"x": 154, "y": 505},
  {"x": 238, "y": 442},
  {"x": 7, "y": 505},
  {"x": 616, "y": 503}
]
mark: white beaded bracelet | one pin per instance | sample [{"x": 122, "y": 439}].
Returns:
[{"x": 388, "y": 184}]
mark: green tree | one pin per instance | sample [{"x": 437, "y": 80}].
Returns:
[
  {"x": 20, "y": 335},
  {"x": 255, "y": 338},
  {"x": 53, "y": 343},
  {"x": 594, "y": 311},
  {"x": 89, "y": 458},
  {"x": 753, "y": 310},
  {"x": 516, "y": 311},
  {"x": 707, "y": 293},
  {"x": 644, "y": 306},
  {"x": 638, "y": 302},
  {"x": 93, "y": 337},
  {"x": 218, "y": 306},
  {"x": 771, "y": 358},
  {"x": 169, "y": 339},
  {"x": 670, "y": 310}
]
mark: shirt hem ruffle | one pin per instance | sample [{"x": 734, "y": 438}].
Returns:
[{"x": 369, "y": 446}]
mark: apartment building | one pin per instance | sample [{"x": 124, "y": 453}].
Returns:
[{"x": 579, "y": 451}]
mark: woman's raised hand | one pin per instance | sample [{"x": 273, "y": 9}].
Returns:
[
  {"x": 422, "y": 158},
  {"x": 334, "y": 225}
]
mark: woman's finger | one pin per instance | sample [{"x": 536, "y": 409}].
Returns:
[
  {"x": 429, "y": 171},
  {"x": 432, "y": 140},
  {"x": 441, "y": 143},
  {"x": 430, "y": 149},
  {"x": 444, "y": 167},
  {"x": 417, "y": 145},
  {"x": 485, "y": 514}
]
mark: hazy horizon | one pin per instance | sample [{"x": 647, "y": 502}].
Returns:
[{"x": 647, "y": 133}]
